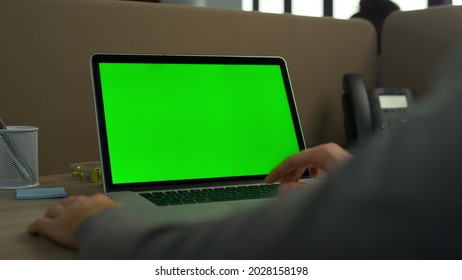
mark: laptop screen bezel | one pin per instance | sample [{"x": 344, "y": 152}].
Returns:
[{"x": 108, "y": 183}]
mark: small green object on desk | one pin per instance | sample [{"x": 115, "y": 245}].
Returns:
[{"x": 40, "y": 193}]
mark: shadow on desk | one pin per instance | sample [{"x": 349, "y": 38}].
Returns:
[{"x": 16, "y": 215}]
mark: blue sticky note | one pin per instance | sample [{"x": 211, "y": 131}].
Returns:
[{"x": 40, "y": 193}]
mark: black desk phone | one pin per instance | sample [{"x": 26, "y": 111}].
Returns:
[{"x": 379, "y": 110}]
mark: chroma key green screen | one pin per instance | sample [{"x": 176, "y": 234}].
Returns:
[{"x": 192, "y": 121}]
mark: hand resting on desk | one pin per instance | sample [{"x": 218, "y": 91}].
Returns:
[{"x": 61, "y": 220}]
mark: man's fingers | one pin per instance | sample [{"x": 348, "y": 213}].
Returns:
[
  {"x": 54, "y": 211},
  {"x": 38, "y": 226},
  {"x": 50, "y": 229},
  {"x": 324, "y": 157},
  {"x": 292, "y": 176},
  {"x": 277, "y": 173},
  {"x": 60, "y": 221},
  {"x": 72, "y": 199},
  {"x": 294, "y": 162},
  {"x": 314, "y": 171}
]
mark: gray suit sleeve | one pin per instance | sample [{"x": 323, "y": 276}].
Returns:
[{"x": 398, "y": 199}]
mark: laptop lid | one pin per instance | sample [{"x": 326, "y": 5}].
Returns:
[{"x": 169, "y": 121}]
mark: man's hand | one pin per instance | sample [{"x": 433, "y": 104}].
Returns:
[
  {"x": 61, "y": 220},
  {"x": 324, "y": 157}
]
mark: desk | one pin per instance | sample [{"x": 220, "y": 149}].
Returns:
[{"x": 16, "y": 215}]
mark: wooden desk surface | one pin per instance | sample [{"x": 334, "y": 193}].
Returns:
[{"x": 16, "y": 215}]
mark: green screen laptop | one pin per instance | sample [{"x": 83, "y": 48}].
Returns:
[{"x": 189, "y": 138}]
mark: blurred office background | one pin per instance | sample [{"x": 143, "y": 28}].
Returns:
[{"x": 342, "y": 9}]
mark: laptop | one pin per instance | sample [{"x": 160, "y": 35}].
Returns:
[{"x": 187, "y": 138}]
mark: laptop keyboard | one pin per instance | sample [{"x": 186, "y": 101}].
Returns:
[{"x": 211, "y": 194}]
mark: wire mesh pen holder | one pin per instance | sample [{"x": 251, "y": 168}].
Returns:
[{"x": 19, "y": 157}]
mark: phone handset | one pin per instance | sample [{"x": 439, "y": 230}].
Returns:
[
  {"x": 379, "y": 110},
  {"x": 356, "y": 101}
]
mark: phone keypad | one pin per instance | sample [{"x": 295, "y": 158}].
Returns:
[
  {"x": 394, "y": 110},
  {"x": 391, "y": 125}
]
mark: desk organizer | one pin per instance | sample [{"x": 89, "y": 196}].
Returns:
[{"x": 18, "y": 157}]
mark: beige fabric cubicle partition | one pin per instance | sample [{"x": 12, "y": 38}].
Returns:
[
  {"x": 415, "y": 42},
  {"x": 46, "y": 47}
]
